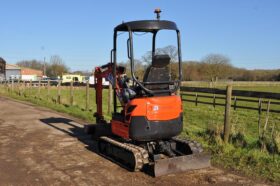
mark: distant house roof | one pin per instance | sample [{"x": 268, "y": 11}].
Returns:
[
  {"x": 29, "y": 71},
  {"x": 24, "y": 70},
  {"x": 12, "y": 67}
]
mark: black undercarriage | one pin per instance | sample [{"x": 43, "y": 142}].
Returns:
[{"x": 154, "y": 157}]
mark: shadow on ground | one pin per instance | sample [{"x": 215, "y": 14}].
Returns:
[
  {"x": 73, "y": 129},
  {"x": 76, "y": 130}
]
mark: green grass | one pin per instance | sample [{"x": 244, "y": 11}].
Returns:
[
  {"x": 275, "y": 89},
  {"x": 79, "y": 103},
  {"x": 203, "y": 123},
  {"x": 250, "y": 86}
]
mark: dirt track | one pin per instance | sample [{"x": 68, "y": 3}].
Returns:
[{"x": 41, "y": 147}]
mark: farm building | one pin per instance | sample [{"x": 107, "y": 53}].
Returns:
[
  {"x": 2, "y": 69},
  {"x": 13, "y": 72},
  {"x": 28, "y": 74}
]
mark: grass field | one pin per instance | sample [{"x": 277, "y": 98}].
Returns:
[
  {"x": 203, "y": 123},
  {"x": 250, "y": 86}
]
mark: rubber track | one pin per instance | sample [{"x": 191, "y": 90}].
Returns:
[
  {"x": 194, "y": 145},
  {"x": 141, "y": 155}
]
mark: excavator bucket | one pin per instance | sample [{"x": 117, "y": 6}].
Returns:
[{"x": 181, "y": 164}]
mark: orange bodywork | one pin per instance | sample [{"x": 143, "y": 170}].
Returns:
[
  {"x": 157, "y": 108},
  {"x": 162, "y": 108},
  {"x": 119, "y": 128}
]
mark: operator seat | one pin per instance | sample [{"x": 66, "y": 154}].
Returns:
[{"x": 158, "y": 71}]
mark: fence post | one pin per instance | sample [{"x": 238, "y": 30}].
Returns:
[
  {"x": 260, "y": 114},
  {"x": 17, "y": 87},
  {"x": 267, "y": 116},
  {"x": 6, "y": 85},
  {"x": 58, "y": 92},
  {"x": 39, "y": 88},
  {"x": 196, "y": 99},
  {"x": 265, "y": 126},
  {"x": 30, "y": 88},
  {"x": 48, "y": 91},
  {"x": 87, "y": 96},
  {"x": 178, "y": 93},
  {"x": 235, "y": 102},
  {"x": 20, "y": 88},
  {"x": 227, "y": 125},
  {"x": 71, "y": 93},
  {"x": 24, "y": 88},
  {"x": 214, "y": 100},
  {"x": 12, "y": 85},
  {"x": 109, "y": 99}
]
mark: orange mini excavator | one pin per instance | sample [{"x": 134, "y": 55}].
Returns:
[{"x": 147, "y": 113}]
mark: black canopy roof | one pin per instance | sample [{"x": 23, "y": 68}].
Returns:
[{"x": 147, "y": 26}]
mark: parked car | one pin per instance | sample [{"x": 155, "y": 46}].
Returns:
[{"x": 53, "y": 80}]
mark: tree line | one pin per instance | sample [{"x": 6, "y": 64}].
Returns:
[
  {"x": 213, "y": 70},
  {"x": 54, "y": 68},
  {"x": 212, "y": 67}
]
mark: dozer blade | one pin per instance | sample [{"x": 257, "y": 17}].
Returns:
[{"x": 181, "y": 164}]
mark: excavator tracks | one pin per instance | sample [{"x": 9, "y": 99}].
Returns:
[
  {"x": 189, "y": 156},
  {"x": 194, "y": 146},
  {"x": 128, "y": 155}
]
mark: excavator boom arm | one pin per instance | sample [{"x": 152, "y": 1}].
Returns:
[{"x": 105, "y": 71}]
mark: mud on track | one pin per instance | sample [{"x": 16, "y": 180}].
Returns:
[{"x": 41, "y": 147}]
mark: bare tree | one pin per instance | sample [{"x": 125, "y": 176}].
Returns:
[
  {"x": 192, "y": 71},
  {"x": 169, "y": 50},
  {"x": 216, "y": 66},
  {"x": 173, "y": 54},
  {"x": 34, "y": 64},
  {"x": 139, "y": 68},
  {"x": 147, "y": 58},
  {"x": 56, "y": 67}
]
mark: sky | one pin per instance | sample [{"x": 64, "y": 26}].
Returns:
[{"x": 81, "y": 32}]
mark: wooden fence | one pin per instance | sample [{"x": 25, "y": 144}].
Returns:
[
  {"x": 22, "y": 87},
  {"x": 232, "y": 96},
  {"x": 222, "y": 83},
  {"x": 236, "y": 95},
  {"x": 200, "y": 95}
]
